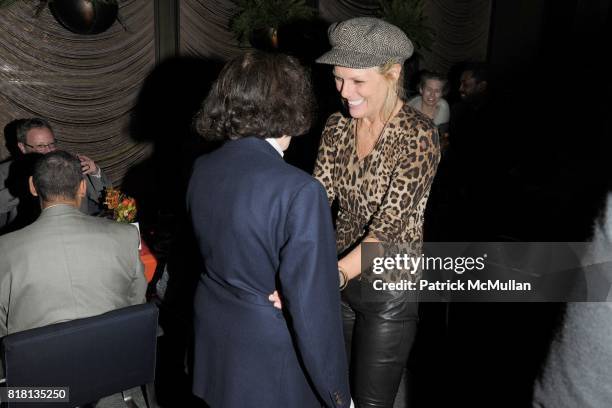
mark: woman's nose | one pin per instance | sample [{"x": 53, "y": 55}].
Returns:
[{"x": 345, "y": 90}]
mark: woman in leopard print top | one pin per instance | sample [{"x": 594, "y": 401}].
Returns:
[{"x": 378, "y": 163}]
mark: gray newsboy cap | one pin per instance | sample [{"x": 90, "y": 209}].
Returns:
[{"x": 366, "y": 42}]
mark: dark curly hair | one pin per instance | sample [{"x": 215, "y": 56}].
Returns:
[{"x": 257, "y": 94}]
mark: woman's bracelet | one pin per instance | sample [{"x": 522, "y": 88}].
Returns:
[{"x": 344, "y": 280}]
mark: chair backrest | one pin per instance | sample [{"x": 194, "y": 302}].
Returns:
[{"x": 95, "y": 356}]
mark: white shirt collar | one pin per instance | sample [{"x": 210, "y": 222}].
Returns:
[{"x": 275, "y": 145}]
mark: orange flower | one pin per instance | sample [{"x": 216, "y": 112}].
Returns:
[
  {"x": 112, "y": 198},
  {"x": 123, "y": 206}
]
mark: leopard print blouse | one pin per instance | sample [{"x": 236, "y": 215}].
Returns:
[{"x": 384, "y": 194}]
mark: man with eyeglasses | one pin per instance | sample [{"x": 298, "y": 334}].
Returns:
[{"x": 35, "y": 135}]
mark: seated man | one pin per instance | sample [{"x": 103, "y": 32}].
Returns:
[
  {"x": 35, "y": 135},
  {"x": 8, "y": 202},
  {"x": 18, "y": 207},
  {"x": 66, "y": 265}
]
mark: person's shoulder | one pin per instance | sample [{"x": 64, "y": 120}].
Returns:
[
  {"x": 203, "y": 159},
  {"x": 121, "y": 234},
  {"x": 291, "y": 178},
  {"x": 9, "y": 238},
  {"x": 112, "y": 225},
  {"x": 336, "y": 129},
  {"x": 335, "y": 116},
  {"x": 5, "y": 168},
  {"x": 443, "y": 104},
  {"x": 307, "y": 187},
  {"x": 25, "y": 235},
  {"x": 5, "y": 164},
  {"x": 104, "y": 224},
  {"x": 334, "y": 119},
  {"x": 443, "y": 115},
  {"x": 412, "y": 121},
  {"x": 412, "y": 128},
  {"x": 414, "y": 101},
  {"x": 211, "y": 160},
  {"x": 197, "y": 164},
  {"x": 294, "y": 175}
]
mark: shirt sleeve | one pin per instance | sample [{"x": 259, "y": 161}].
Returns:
[
  {"x": 99, "y": 183},
  {"x": 324, "y": 167},
  {"x": 411, "y": 180}
]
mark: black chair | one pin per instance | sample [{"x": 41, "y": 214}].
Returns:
[{"x": 95, "y": 356}]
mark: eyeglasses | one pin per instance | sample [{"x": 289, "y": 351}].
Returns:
[{"x": 39, "y": 147}]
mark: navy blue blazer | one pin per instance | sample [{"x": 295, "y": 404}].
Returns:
[{"x": 262, "y": 225}]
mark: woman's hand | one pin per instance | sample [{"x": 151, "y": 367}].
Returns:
[
  {"x": 351, "y": 263},
  {"x": 276, "y": 300}
]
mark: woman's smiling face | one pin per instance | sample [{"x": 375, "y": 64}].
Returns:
[
  {"x": 364, "y": 90},
  {"x": 431, "y": 92}
]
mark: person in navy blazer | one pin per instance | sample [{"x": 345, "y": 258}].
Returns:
[{"x": 263, "y": 225}]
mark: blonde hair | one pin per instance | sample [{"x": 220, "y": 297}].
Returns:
[{"x": 395, "y": 89}]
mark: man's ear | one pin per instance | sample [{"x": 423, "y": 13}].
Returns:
[
  {"x": 32, "y": 188},
  {"x": 482, "y": 86},
  {"x": 21, "y": 147},
  {"x": 82, "y": 189}
]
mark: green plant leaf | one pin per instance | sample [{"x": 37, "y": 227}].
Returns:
[
  {"x": 410, "y": 17},
  {"x": 7, "y": 3},
  {"x": 252, "y": 15}
]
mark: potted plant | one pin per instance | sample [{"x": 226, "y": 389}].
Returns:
[
  {"x": 410, "y": 17},
  {"x": 257, "y": 20}
]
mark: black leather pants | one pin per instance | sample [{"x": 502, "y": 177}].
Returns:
[{"x": 379, "y": 330}]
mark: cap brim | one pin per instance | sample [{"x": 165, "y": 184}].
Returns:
[{"x": 352, "y": 59}]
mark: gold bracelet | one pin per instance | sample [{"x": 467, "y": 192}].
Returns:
[{"x": 344, "y": 280}]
